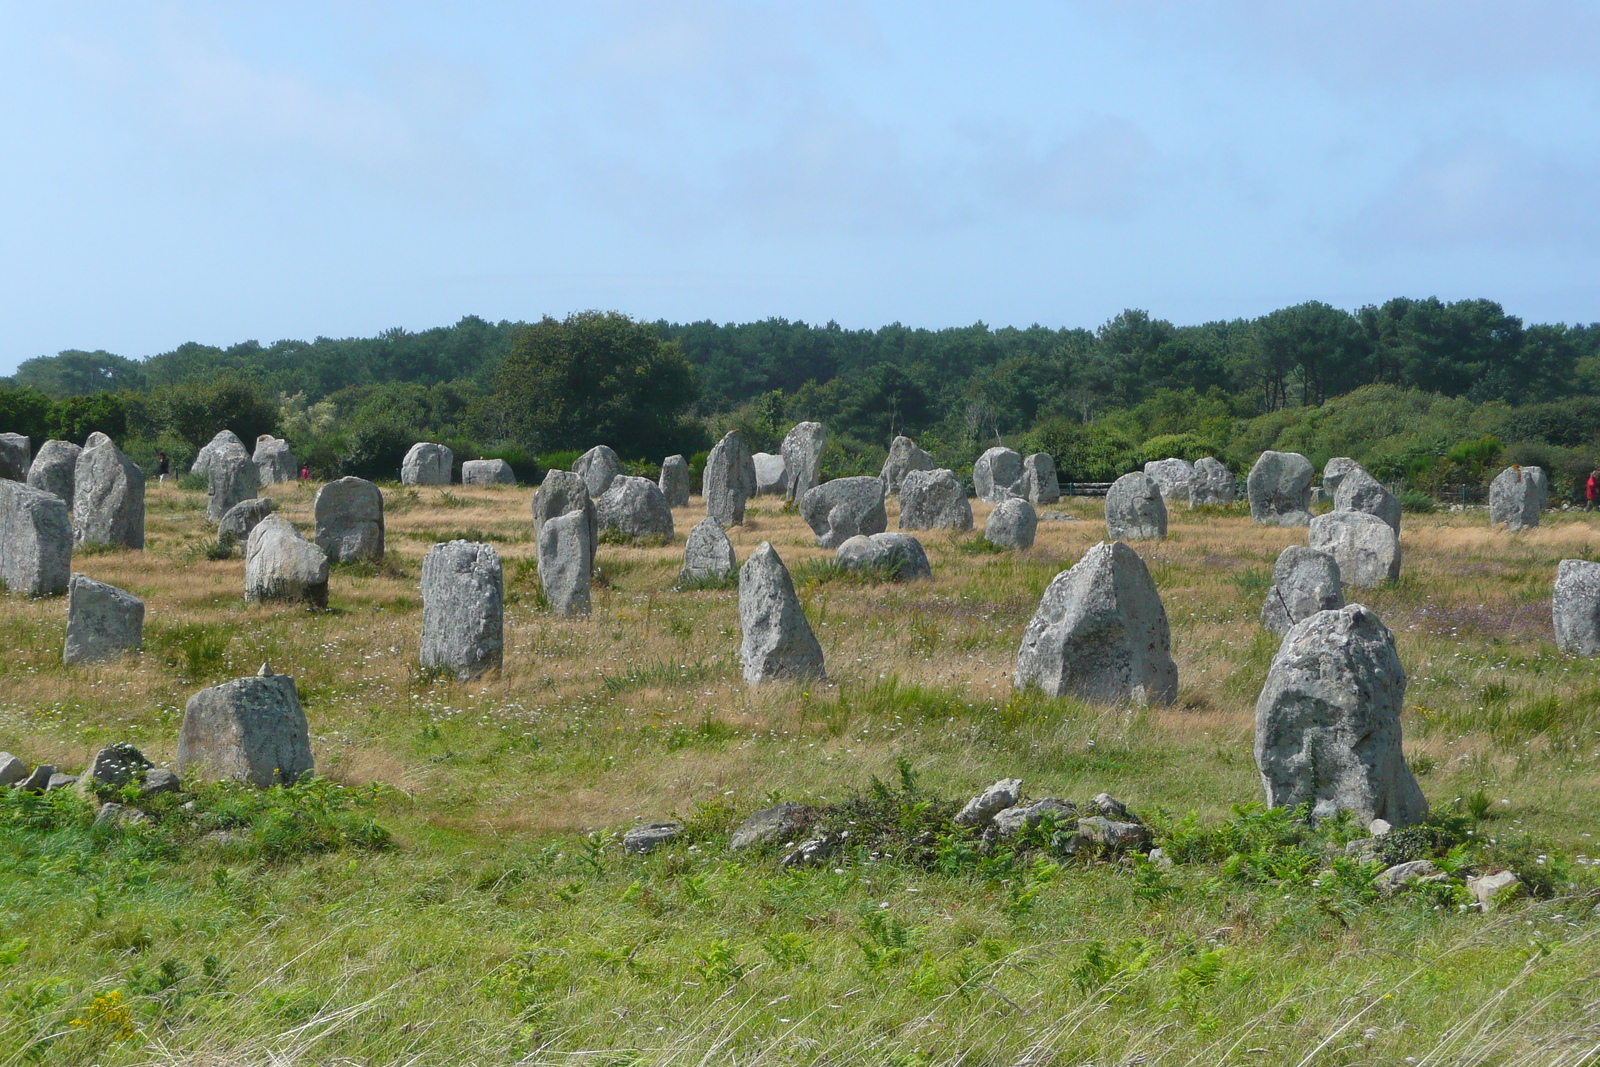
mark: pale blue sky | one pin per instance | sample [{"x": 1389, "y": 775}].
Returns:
[{"x": 223, "y": 171}]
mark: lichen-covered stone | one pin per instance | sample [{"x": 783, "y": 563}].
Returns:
[
  {"x": 428, "y": 464},
  {"x": 1173, "y": 477},
  {"x": 1366, "y": 548},
  {"x": 597, "y": 467},
  {"x": 777, "y": 642},
  {"x": 1575, "y": 607},
  {"x": 636, "y": 509},
  {"x": 249, "y": 730},
  {"x": 566, "y": 559},
  {"x": 231, "y": 476},
  {"x": 708, "y": 554},
  {"x": 246, "y": 515},
  {"x": 35, "y": 541},
  {"x": 838, "y": 510},
  {"x": 771, "y": 477},
  {"x": 463, "y": 598},
  {"x": 1359, "y": 491},
  {"x": 1517, "y": 496},
  {"x": 1279, "y": 488},
  {"x": 487, "y": 472},
  {"x": 1305, "y": 581},
  {"x": 1040, "y": 486},
  {"x": 729, "y": 479},
  {"x": 564, "y": 493},
  {"x": 107, "y": 496},
  {"x": 1213, "y": 484},
  {"x": 202, "y": 459},
  {"x": 1012, "y": 524},
  {"x": 997, "y": 474},
  {"x": 898, "y": 556},
  {"x": 55, "y": 469},
  {"x": 102, "y": 621},
  {"x": 279, "y": 564},
  {"x": 274, "y": 461},
  {"x": 1135, "y": 510},
  {"x": 934, "y": 500},
  {"x": 802, "y": 458},
  {"x": 1333, "y": 473},
  {"x": 674, "y": 481},
  {"x": 349, "y": 518},
  {"x": 904, "y": 457},
  {"x": 15, "y": 456}
]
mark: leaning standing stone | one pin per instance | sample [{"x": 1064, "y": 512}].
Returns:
[
  {"x": 279, "y": 564},
  {"x": 1213, "y": 483},
  {"x": 1280, "y": 489},
  {"x": 996, "y": 474},
  {"x": 1305, "y": 581},
  {"x": 566, "y": 558},
  {"x": 708, "y": 555},
  {"x": 1575, "y": 607},
  {"x": 487, "y": 472},
  {"x": 897, "y": 556},
  {"x": 102, "y": 621},
  {"x": 802, "y": 458},
  {"x": 249, "y": 730},
  {"x": 107, "y": 496},
  {"x": 1101, "y": 633},
  {"x": 1328, "y": 722},
  {"x": 1039, "y": 482},
  {"x": 246, "y": 515},
  {"x": 778, "y": 643},
  {"x": 729, "y": 479},
  {"x": 1517, "y": 496},
  {"x": 674, "y": 481},
  {"x": 1366, "y": 547},
  {"x": 274, "y": 461},
  {"x": 636, "y": 509},
  {"x": 1359, "y": 491},
  {"x": 349, "y": 517},
  {"x": 772, "y": 479},
  {"x": 427, "y": 464},
  {"x": 933, "y": 500},
  {"x": 202, "y": 459},
  {"x": 15, "y": 452},
  {"x": 1012, "y": 524},
  {"x": 54, "y": 469},
  {"x": 35, "y": 541},
  {"x": 838, "y": 510},
  {"x": 462, "y": 603},
  {"x": 231, "y": 476},
  {"x": 1174, "y": 477},
  {"x": 1135, "y": 510},
  {"x": 563, "y": 493},
  {"x": 904, "y": 457},
  {"x": 597, "y": 467}
]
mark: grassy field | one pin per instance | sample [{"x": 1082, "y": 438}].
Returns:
[{"x": 503, "y": 923}]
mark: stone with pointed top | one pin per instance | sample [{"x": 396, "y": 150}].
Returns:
[
  {"x": 708, "y": 554},
  {"x": 1304, "y": 582},
  {"x": 55, "y": 468},
  {"x": 566, "y": 560},
  {"x": 597, "y": 467},
  {"x": 107, "y": 496},
  {"x": 729, "y": 479},
  {"x": 777, "y": 642},
  {"x": 1279, "y": 488},
  {"x": 904, "y": 457}
]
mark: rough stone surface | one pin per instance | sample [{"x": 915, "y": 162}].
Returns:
[
  {"x": 1489, "y": 891},
  {"x": 814, "y": 850},
  {"x": 981, "y": 809},
  {"x": 566, "y": 559},
  {"x": 114, "y": 767},
  {"x": 635, "y": 508},
  {"x": 1012, "y": 524},
  {"x": 1575, "y": 607},
  {"x": 230, "y": 477},
  {"x": 996, "y": 475},
  {"x": 898, "y": 554},
  {"x": 1367, "y": 548},
  {"x": 1304, "y": 582},
  {"x": 778, "y": 644},
  {"x": 160, "y": 780},
  {"x": 427, "y": 464},
  {"x": 55, "y": 468},
  {"x": 1113, "y": 835},
  {"x": 202, "y": 459},
  {"x": 1279, "y": 488},
  {"x": 779, "y": 824},
  {"x": 35, "y": 541},
  {"x": 1393, "y": 879},
  {"x": 463, "y": 597},
  {"x": 1039, "y": 482},
  {"x": 1360, "y": 491},
  {"x": 15, "y": 456},
  {"x": 1328, "y": 721},
  {"x": 12, "y": 770},
  {"x": 487, "y": 472},
  {"x": 838, "y": 510},
  {"x": 933, "y": 500},
  {"x": 1101, "y": 633},
  {"x": 60, "y": 781},
  {"x": 674, "y": 481},
  {"x": 597, "y": 467},
  {"x": 802, "y": 458},
  {"x": 1135, "y": 510},
  {"x": 102, "y": 621},
  {"x": 349, "y": 517},
  {"x": 904, "y": 457},
  {"x": 1008, "y": 822},
  {"x": 708, "y": 554},
  {"x": 249, "y": 730},
  {"x": 1051, "y": 515},
  {"x": 107, "y": 496},
  {"x": 246, "y": 515},
  {"x": 38, "y": 779},
  {"x": 1173, "y": 477},
  {"x": 772, "y": 479},
  {"x": 1112, "y": 808},
  {"x": 729, "y": 479},
  {"x": 1517, "y": 496},
  {"x": 1213, "y": 483},
  {"x": 1333, "y": 473},
  {"x": 563, "y": 493},
  {"x": 279, "y": 564},
  {"x": 274, "y": 460},
  {"x": 647, "y": 838}
]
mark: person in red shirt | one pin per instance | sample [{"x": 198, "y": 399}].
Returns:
[
  {"x": 1593, "y": 490},
  {"x": 305, "y": 473}
]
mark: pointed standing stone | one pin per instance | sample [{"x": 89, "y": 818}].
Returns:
[
  {"x": 729, "y": 479},
  {"x": 778, "y": 643},
  {"x": 1279, "y": 487},
  {"x": 1359, "y": 491},
  {"x": 904, "y": 457},
  {"x": 566, "y": 559},
  {"x": 597, "y": 467},
  {"x": 674, "y": 481},
  {"x": 802, "y": 458},
  {"x": 231, "y": 476},
  {"x": 463, "y": 600},
  {"x": 102, "y": 621},
  {"x": 708, "y": 555},
  {"x": 202, "y": 459},
  {"x": 55, "y": 468},
  {"x": 107, "y": 496},
  {"x": 934, "y": 500}
]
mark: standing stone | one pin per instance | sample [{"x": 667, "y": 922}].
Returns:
[
  {"x": 107, "y": 496},
  {"x": 55, "y": 468},
  {"x": 1173, "y": 477},
  {"x": 729, "y": 479},
  {"x": 1279, "y": 488},
  {"x": 1039, "y": 482},
  {"x": 898, "y": 556},
  {"x": 274, "y": 461},
  {"x": 566, "y": 558},
  {"x": 708, "y": 555},
  {"x": 249, "y": 730},
  {"x": 933, "y": 500},
  {"x": 772, "y": 478},
  {"x": 1135, "y": 510},
  {"x": 202, "y": 459},
  {"x": 349, "y": 518},
  {"x": 1213, "y": 484},
  {"x": 1305, "y": 581},
  {"x": 35, "y": 541},
  {"x": 1100, "y": 633},
  {"x": 279, "y": 564},
  {"x": 1012, "y": 524},
  {"x": 246, "y": 515},
  {"x": 15, "y": 451},
  {"x": 462, "y": 603},
  {"x": 487, "y": 472},
  {"x": 1333, "y": 473},
  {"x": 636, "y": 509},
  {"x": 838, "y": 510},
  {"x": 1359, "y": 491},
  {"x": 597, "y": 467},
  {"x": 996, "y": 475},
  {"x": 563, "y": 493},
  {"x": 427, "y": 464},
  {"x": 904, "y": 457},
  {"x": 778, "y": 643},
  {"x": 231, "y": 476},
  {"x": 1328, "y": 721},
  {"x": 102, "y": 621},
  {"x": 1517, "y": 496},
  {"x": 1366, "y": 548},
  {"x": 674, "y": 481},
  {"x": 802, "y": 458},
  {"x": 1575, "y": 607}
]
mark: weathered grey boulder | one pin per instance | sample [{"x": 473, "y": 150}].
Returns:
[
  {"x": 230, "y": 477},
  {"x": 274, "y": 460},
  {"x": 113, "y": 767},
  {"x": 55, "y": 468},
  {"x": 838, "y": 510},
  {"x": 1366, "y": 548},
  {"x": 729, "y": 479},
  {"x": 427, "y": 464},
  {"x": 107, "y": 496},
  {"x": 1575, "y": 607},
  {"x": 1490, "y": 891},
  {"x": 1403, "y": 875},
  {"x": 635, "y": 508},
  {"x": 246, "y": 515},
  {"x": 15, "y": 455},
  {"x": 349, "y": 518},
  {"x": 12, "y": 770},
  {"x": 981, "y": 809},
  {"x": 102, "y": 621},
  {"x": 1112, "y": 835},
  {"x": 202, "y": 459},
  {"x": 60, "y": 781},
  {"x": 1101, "y": 633},
  {"x": 708, "y": 554},
  {"x": 1173, "y": 477},
  {"x": 1279, "y": 488},
  {"x": 896, "y": 555},
  {"x": 279, "y": 564},
  {"x": 996, "y": 475},
  {"x": 933, "y": 500},
  {"x": 674, "y": 481},
  {"x": 1012, "y": 524},
  {"x": 904, "y": 457},
  {"x": 1360, "y": 491},
  {"x": 802, "y": 458},
  {"x": 597, "y": 467},
  {"x": 563, "y": 493},
  {"x": 1333, "y": 473},
  {"x": 160, "y": 780},
  {"x": 1039, "y": 482},
  {"x": 462, "y": 602},
  {"x": 778, "y": 644},
  {"x": 1135, "y": 510},
  {"x": 1304, "y": 582},
  {"x": 642, "y": 840},
  {"x": 487, "y": 472},
  {"x": 771, "y": 477},
  {"x": 249, "y": 730},
  {"x": 1213, "y": 484},
  {"x": 1328, "y": 721},
  {"x": 566, "y": 559},
  {"x": 35, "y": 541},
  {"x": 1517, "y": 496},
  {"x": 1008, "y": 822},
  {"x": 38, "y": 779},
  {"x": 780, "y": 824}
]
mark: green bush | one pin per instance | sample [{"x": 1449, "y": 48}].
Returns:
[{"x": 1416, "y": 501}]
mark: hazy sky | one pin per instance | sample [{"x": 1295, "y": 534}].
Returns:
[{"x": 224, "y": 171}]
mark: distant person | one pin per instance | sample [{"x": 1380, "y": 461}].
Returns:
[
  {"x": 164, "y": 468},
  {"x": 1592, "y": 490},
  {"x": 305, "y": 472}
]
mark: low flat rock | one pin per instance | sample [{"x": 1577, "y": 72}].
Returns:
[
  {"x": 427, "y": 463},
  {"x": 997, "y": 475},
  {"x": 898, "y": 556},
  {"x": 566, "y": 561},
  {"x": 1135, "y": 510},
  {"x": 904, "y": 457},
  {"x": 274, "y": 461},
  {"x": 12, "y": 770},
  {"x": 39, "y": 778},
  {"x": 597, "y": 467},
  {"x": 1575, "y": 607},
  {"x": 1013, "y": 819},
  {"x": 107, "y": 496},
  {"x": 1040, "y": 485},
  {"x": 1279, "y": 488},
  {"x": 777, "y": 642},
  {"x": 772, "y": 478},
  {"x": 487, "y": 472},
  {"x": 777, "y": 825},
  {"x": 1304, "y": 582},
  {"x": 243, "y": 517},
  {"x": 1517, "y": 498},
  {"x": 55, "y": 468},
  {"x": 249, "y": 730},
  {"x": 1366, "y": 548},
  {"x": 642, "y": 840},
  {"x": 674, "y": 481},
  {"x": 113, "y": 767},
  {"x": 729, "y": 479},
  {"x": 1173, "y": 477},
  {"x": 933, "y": 500},
  {"x": 35, "y": 541},
  {"x": 349, "y": 518},
  {"x": 1401, "y": 875},
  {"x": 839, "y": 510},
  {"x": 1012, "y": 524},
  {"x": 981, "y": 809},
  {"x": 279, "y": 564},
  {"x": 463, "y": 597},
  {"x": 636, "y": 509},
  {"x": 1213, "y": 484},
  {"x": 1490, "y": 891},
  {"x": 103, "y": 621},
  {"x": 802, "y": 458},
  {"x": 708, "y": 554}
]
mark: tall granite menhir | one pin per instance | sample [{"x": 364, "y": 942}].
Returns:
[
  {"x": 802, "y": 458},
  {"x": 1279, "y": 487},
  {"x": 729, "y": 479},
  {"x": 55, "y": 469},
  {"x": 428, "y": 464},
  {"x": 463, "y": 598},
  {"x": 15, "y": 452},
  {"x": 35, "y": 541},
  {"x": 107, "y": 496},
  {"x": 778, "y": 644},
  {"x": 674, "y": 481},
  {"x": 231, "y": 477},
  {"x": 349, "y": 517}
]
